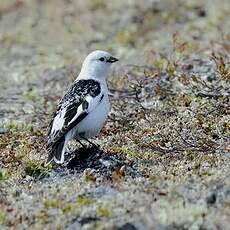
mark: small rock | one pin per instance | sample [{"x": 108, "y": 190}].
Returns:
[
  {"x": 87, "y": 220},
  {"x": 127, "y": 226},
  {"x": 211, "y": 200}
]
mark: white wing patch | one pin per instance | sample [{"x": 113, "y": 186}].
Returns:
[
  {"x": 59, "y": 121},
  {"x": 79, "y": 111},
  {"x": 91, "y": 102}
]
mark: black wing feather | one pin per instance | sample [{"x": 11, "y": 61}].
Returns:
[
  {"x": 71, "y": 112},
  {"x": 74, "y": 97}
]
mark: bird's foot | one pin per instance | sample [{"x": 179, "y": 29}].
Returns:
[{"x": 95, "y": 146}]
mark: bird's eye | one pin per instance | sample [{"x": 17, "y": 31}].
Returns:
[{"x": 102, "y": 59}]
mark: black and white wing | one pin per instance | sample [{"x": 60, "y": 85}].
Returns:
[{"x": 81, "y": 98}]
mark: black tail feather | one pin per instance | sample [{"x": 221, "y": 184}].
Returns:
[{"x": 55, "y": 151}]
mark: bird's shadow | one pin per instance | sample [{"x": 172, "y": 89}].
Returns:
[
  {"x": 83, "y": 158},
  {"x": 102, "y": 163}
]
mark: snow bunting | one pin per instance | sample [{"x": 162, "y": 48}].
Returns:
[{"x": 84, "y": 108}]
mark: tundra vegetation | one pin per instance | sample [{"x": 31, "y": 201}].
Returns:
[{"x": 164, "y": 158}]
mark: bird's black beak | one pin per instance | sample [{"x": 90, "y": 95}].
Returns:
[{"x": 112, "y": 59}]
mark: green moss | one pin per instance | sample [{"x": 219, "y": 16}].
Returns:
[
  {"x": 171, "y": 69},
  {"x": 103, "y": 211},
  {"x": 126, "y": 37},
  {"x": 97, "y": 4},
  {"x": 15, "y": 38},
  {"x": 11, "y": 124},
  {"x": 67, "y": 208},
  {"x": 51, "y": 203},
  {"x": 35, "y": 131},
  {"x": 2, "y": 215},
  {"x": 35, "y": 169},
  {"x": 125, "y": 151},
  {"x": 82, "y": 200},
  {"x": 206, "y": 173},
  {"x": 30, "y": 95},
  {"x": 3, "y": 175},
  {"x": 58, "y": 204},
  {"x": 168, "y": 16},
  {"x": 190, "y": 154},
  {"x": 89, "y": 178}
]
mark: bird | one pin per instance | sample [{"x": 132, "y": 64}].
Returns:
[{"x": 82, "y": 111}]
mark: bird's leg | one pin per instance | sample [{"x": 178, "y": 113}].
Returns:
[
  {"x": 93, "y": 144},
  {"x": 80, "y": 143}
]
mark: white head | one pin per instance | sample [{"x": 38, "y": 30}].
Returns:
[{"x": 97, "y": 64}]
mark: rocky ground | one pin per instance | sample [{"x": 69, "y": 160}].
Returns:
[{"x": 164, "y": 159}]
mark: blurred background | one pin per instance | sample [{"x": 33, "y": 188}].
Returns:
[{"x": 38, "y": 36}]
